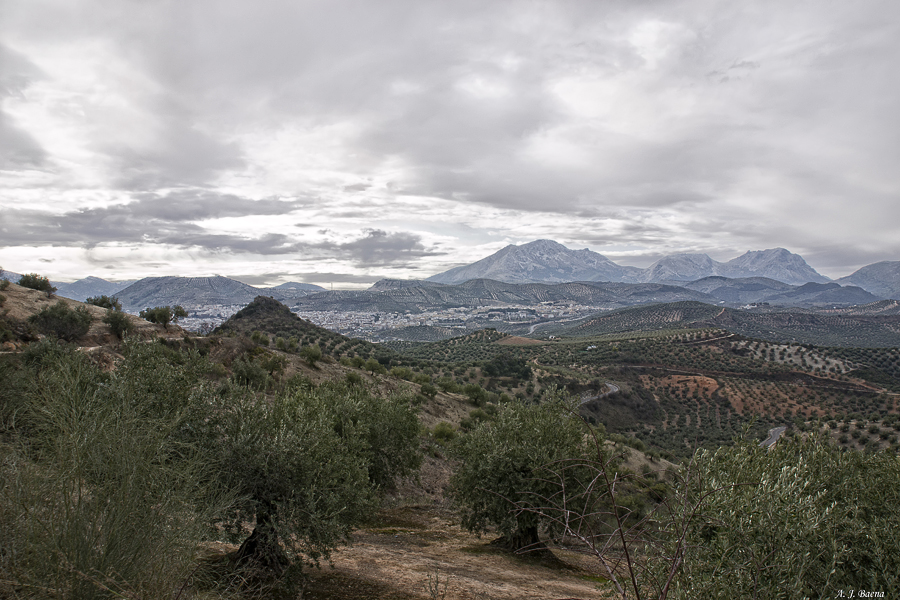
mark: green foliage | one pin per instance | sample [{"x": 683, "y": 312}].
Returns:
[
  {"x": 373, "y": 366},
  {"x": 36, "y": 282},
  {"x": 505, "y": 461},
  {"x": 163, "y": 315},
  {"x": 428, "y": 390},
  {"x": 805, "y": 519},
  {"x": 249, "y": 373},
  {"x": 444, "y": 432},
  {"x": 307, "y": 464},
  {"x": 100, "y": 496},
  {"x": 258, "y": 337},
  {"x": 505, "y": 365},
  {"x": 311, "y": 354},
  {"x": 118, "y": 322},
  {"x": 108, "y": 302},
  {"x": 62, "y": 321}
]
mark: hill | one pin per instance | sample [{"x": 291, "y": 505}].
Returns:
[
  {"x": 881, "y": 279},
  {"x": 546, "y": 261},
  {"x": 675, "y": 315},
  {"x": 19, "y": 304},
  {"x": 877, "y": 327},
  {"x": 487, "y": 292},
  {"x": 91, "y": 287},
  {"x": 271, "y": 317},
  {"x": 542, "y": 261}
]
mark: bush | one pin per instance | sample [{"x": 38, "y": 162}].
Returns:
[
  {"x": 36, "y": 282},
  {"x": 444, "y": 432},
  {"x": 108, "y": 302},
  {"x": 118, "y": 322},
  {"x": 163, "y": 315},
  {"x": 428, "y": 390},
  {"x": 307, "y": 465},
  {"x": 311, "y": 354},
  {"x": 100, "y": 500},
  {"x": 504, "y": 462},
  {"x": 62, "y": 321},
  {"x": 804, "y": 519},
  {"x": 248, "y": 373}
]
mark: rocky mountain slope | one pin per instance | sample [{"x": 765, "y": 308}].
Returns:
[
  {"x": 547, "y": 261},
  {"x": 881, "y": 278},
  {"x": 91, "y": 287},
  {"x": 542, "y": 261},
  {"x": 191, "y": 292}
]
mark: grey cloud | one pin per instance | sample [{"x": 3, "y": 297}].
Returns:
[
  {"x": 324, "y": 279},
  {"x": 19, "y": 149},
  {"x": 380, "y": 248},
  {"x": 152, "y": 218}
]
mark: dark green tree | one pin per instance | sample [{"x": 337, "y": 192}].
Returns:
[
  {"x": 163, "y": 315},
  {"x": 307, "y": 465},
  {"x": 118, "y": 322},
  {"x": 109, "y": 302},
  {"x": 37, "y": 282},
  {"x": 311, "y": 354},
  {"x": 63, "y": 322},
  {"x": 504, "y": 463}
]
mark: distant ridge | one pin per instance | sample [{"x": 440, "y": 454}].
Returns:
[
  {"x": 90, "y": 287},
  {"x": 546, "y": 261},
  {"x": 881, "y": 278},
  {"x": 541, "y": 261}
]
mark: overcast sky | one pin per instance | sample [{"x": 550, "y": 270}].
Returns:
[{"x": 345, "y": 141}]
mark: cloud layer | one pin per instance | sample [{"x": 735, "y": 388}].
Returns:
[{"x": 400, "y": 138}]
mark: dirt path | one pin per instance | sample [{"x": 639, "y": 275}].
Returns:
[{"x": 413, "y": 546}]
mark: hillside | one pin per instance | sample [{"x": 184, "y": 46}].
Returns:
[
  {"x": 882, "y": 279},
  {"x": 90, "y": 287},
  {"x": 19, "y": 304},
  {"x": 487, "y": 292},
  {"x": 546, "y": 261},
  {"x": 267, "y": 315},
  {"x": 675, "y": 315},
  {"x": 542, "y": 261}
]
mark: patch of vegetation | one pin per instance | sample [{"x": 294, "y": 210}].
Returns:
[
  {"x": 163, "y": 315},
  {"x": 108, "y": 302},
  {"x": 62, "y": 321},
  {"x": 37, "y": 282}
]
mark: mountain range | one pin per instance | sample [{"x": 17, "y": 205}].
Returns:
[
  {"x": 546, "y": 261},
  {"x": 775, "y": 276}
]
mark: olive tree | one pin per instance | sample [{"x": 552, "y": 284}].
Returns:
[
  {"x": 804, "y": 519},
  {"x": 163, "y": 315},
  {"x": 37, "y": 282},
  {"x": 307, "y": 465},
  {"x": 62, "y": 321},
  {"x": 504, "y": 467}
]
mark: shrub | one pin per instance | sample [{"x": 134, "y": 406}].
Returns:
[
  {"x": 840, "y": 531},
  {"x": 163, "y": 315},
  {"x": 504, "y": 461},
  {"x": 444, "y": 432},
  {"x": 105, "y": 302},
  {"x": 311, "y": 354},
  {"x": 428, "y": 390},
  {"x": 62, "y": 321},
  {"x": 118, "y": 322},
  {"x": 36, "y": 282},
  {"x": 106, "y": 502}
]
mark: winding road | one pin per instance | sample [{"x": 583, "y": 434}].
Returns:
[
  {"x": 613, "y": 388},
  {"x": 774, "y": 434}
]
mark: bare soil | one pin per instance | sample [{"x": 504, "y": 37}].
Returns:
[{"x": 414, "y": 547}]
